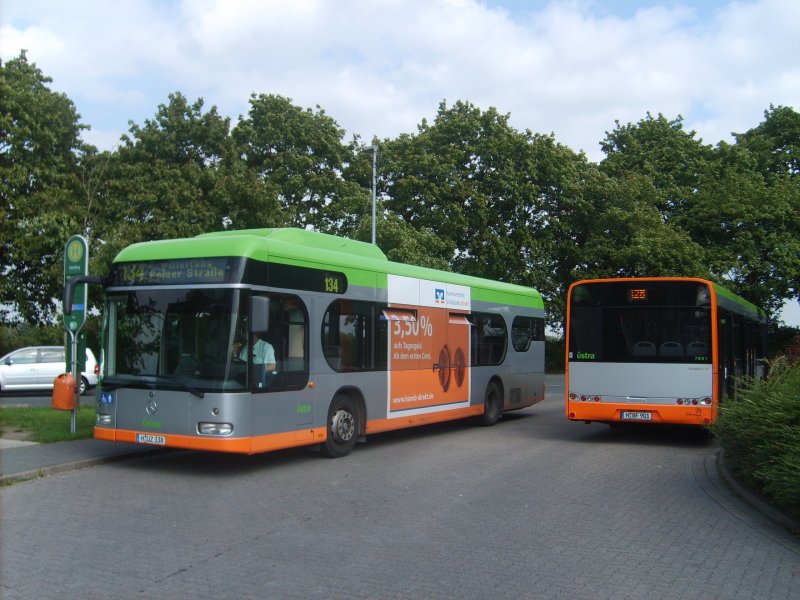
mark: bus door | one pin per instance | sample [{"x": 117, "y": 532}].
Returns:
[
  {"x": 726, "y": 368},
  {"x": 278, "y": 369}
]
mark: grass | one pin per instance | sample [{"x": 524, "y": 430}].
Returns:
[{"x": 45, "y": 424}]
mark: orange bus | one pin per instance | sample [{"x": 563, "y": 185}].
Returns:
[{"x": 658, "y": 350}]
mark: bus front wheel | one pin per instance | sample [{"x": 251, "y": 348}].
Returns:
[
  {"x": 342, "y": 428},
  {"x": 492, "y": 405}
]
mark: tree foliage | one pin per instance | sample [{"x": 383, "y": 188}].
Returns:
[
  {"x": 466, "y": 192},
  {"x": 162, "y": 181},
  {"x": 519, "y": 207},
  {"x": 297, "y": 152},
  {"x": 775, "y": 142},
  {"x": 739, "y": 203},
  {"x": 39, "y": 184},
  {"x": 660, "y": 149},
  {"x": 469, "y": 178}
]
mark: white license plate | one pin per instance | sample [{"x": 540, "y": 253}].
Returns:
[
  {"x": 636, "y": 416},
  {"x": 147, "y": 438}
]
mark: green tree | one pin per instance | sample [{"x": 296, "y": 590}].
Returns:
[
  {"x": 164, "y": 180},
  {"x": 751, "y": 227},
  {"x": 775, "y": 146},
  {"x": 674, "y": 159},
  {"x": 469, "y": 178},
  {"x": 350, "y": 215},
  {"x": 519, "y": 207},
  {"x": 297, "y": 154},
  {"x": 738, "y": 202},
  {"x": 775, "y": 142},
  {"x": 629, "y": 238},
  {"x": 40, "y": 187},
  {"x": 610, "y": 227}
]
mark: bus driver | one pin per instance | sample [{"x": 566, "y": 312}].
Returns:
[{"x": 263, "y": 356}]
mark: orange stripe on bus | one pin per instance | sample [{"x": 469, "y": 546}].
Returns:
[
  {"x": 679, "y": 415},
  {"x": 289, "y": 439},
  {"x": 247, "y": 445},
  {"x": 378, "y": 425}
]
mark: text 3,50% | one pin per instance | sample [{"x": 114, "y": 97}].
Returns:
[{"x": 413, "y": 328}]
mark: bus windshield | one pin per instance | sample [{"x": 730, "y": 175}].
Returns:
[
  {"x": 175, "y": 339},
  {"x": 653, "y": 321}
]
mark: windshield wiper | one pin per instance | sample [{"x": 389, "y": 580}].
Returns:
[
  {"x": 111, "y": 383},
  {"x": 181, "y": 384},
  {"x": 110, "y": 386}
]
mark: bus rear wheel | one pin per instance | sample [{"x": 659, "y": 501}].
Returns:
[
  {"x": 492, "y": 405},
  {"x": 343, "y": 427}
]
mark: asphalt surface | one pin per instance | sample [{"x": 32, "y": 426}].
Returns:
[{"x": 22, "y": 460}]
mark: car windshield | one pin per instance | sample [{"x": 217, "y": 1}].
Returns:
[{"x": 174, "y": 339}]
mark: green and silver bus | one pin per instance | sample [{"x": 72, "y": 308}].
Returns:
[
  {"x": 357, "y": 344},
  {"x": 658, "y": 350}
]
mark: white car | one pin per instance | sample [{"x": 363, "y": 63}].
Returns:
[{"x": 35, "y": 368}]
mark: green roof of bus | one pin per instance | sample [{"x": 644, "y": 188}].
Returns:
[
  {"x": 309, "y": 248},
  {"x": 745, "y": 306}
]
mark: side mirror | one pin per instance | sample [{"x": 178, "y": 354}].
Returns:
[
  {"x": 69, "y": 289},
  {"x": 259, "y": 314}
]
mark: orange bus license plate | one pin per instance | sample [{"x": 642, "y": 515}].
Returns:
[{"x": 636, "y": 416}]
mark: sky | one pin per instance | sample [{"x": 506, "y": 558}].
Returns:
[{"x": 379, "y": 67}]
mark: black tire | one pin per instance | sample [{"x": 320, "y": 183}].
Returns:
[
  {"x": 492, "y": 405},
  {"x": 343, "y": 427},
  {"x": 83, "y": 386}
]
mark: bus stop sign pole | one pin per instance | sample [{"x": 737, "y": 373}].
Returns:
[{"x": 76, "y": 264}]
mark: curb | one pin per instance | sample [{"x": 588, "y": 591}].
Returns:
[
  {"x": 753, "y": 498},
  {"x": 69, "y": 466}
]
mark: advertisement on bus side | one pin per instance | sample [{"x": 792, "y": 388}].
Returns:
[{"x": 429, "y": 346}]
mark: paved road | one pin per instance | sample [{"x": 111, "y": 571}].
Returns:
[{"x": 536, "y": 507}]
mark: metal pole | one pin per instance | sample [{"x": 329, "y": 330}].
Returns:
[
  {"x": 374, "y": 175},
  {"x": 73, "y": 422}
]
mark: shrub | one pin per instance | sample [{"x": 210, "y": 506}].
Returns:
[
  {"x": 760, "y": 432},
  {"x": 14, "y": 336},
  {"x": 19, "y": 336},
  {"x": 554, "y": 355}
]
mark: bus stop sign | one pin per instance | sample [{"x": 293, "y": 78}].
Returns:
[{"x": 76, "y": 263}]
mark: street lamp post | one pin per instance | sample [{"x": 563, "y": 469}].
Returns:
[{"x": 374, "y": 149}]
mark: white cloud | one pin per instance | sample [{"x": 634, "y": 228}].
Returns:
[{"x": 379, "y": 68}]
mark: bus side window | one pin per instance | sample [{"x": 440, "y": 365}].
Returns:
[
  {"x": 489, "y": 338},
  {"x": 525, "y": 330},
  {"x": 354, "y": 336}
]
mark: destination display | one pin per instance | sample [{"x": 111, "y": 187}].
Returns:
[
  {"x": 174, "y": 272},
  {"x": 226, "y": 269}
]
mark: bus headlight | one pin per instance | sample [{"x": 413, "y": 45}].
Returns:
[
  {"x": 215, "y": 428},
  {"x": 705, "y": 401}
]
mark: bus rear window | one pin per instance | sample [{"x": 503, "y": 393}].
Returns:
[{"x": 655, "y": 322}]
